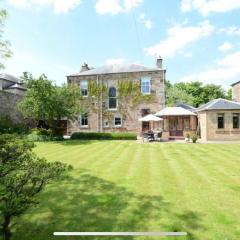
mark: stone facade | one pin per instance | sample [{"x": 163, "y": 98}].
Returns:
[
  {"x": 11, "y": 92},
  {"x": 8, "y": 102},
  {"x": 236, "y": 92},
  {"x": 209, "y": 126},
  {"x": 96, "y": 120}
]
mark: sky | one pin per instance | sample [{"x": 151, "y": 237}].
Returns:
[{"x": 197, "y": 39}]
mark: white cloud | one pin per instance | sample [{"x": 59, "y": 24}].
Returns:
[
  {"x": 142, "y": 16},
  {"x": 205, "y": 7},
  {"x": 114, "y": 7},
  {"x": 114, "y": 61},
  {"x": 224, "y": 73},
  {"x": 226, "y": 46},
  {"x": 59, "y": 6},
  {"x": 180, "y": 36},
  {"x": 148, "y": 24},
  {"x": 232, "y": 31},
  {"x": 146, "y": 21},
  {"x": 23, "y": 61}
]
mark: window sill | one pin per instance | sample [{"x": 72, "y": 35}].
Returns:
[
  {"x": 84, "y": 127},
  {"x": 146, "y": 93},
  {"x": 117, "y": 126},
  {"x": 112, "y": 109}
]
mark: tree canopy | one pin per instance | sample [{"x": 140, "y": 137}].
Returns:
[
  {"x": 194, "y": 93},
  {"x": 22, "y": 176},
  {"x": 47, "y": 102},
  {"x": 5, "y": 51}
]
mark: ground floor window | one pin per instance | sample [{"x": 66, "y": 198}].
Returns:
[
  {"x": 220, "y": 119},
  {"x": 186, "y": 123},
  {"x": 117, "y": 122},
  {"x": 84, "y": 120},
  {"x": 235, "y": 120}
]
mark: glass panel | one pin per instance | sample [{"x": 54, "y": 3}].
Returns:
[
  {"x": 221, "y": 120},
  {"x": 235, "y": 120},
  {"x": 84, "y": 120},
  {"x": 118, "y": 122},
  {"x": 145, "y": 85},
  {"x": 84, "y": 87},
  {"x": 112, "y": 92}
]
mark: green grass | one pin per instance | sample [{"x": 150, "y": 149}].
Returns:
[{"x": 125, "y": 186}]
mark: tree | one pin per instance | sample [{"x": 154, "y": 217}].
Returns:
[
  {"x": 229, "y": 94},
  {"x": 22, "y": 177},
  {"x": 177, "y": 95},
  {"x": 5, "y": 52},
  {"x": 201, "y": 93},
  {"x": 49, "y": 103}
]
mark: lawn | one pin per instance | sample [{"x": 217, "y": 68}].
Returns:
[{"x": 126, "y": 186}]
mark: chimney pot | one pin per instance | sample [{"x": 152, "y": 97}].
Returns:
[
  {"x": 159, "y": 62},
  {"x": 84, "y": 67}
]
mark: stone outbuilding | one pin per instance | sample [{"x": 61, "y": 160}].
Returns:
[{"x": 218, "y": 120}]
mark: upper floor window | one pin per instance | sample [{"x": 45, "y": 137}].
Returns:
[
  {"x": 84, "y": 87},
  {"x": 220, "y": 119},
  {"x": 84, "y": 120},
  {"x": 235, "y": 119},
  {"x": 112, "y": 98},
  {"x": 146, "y": 85}
]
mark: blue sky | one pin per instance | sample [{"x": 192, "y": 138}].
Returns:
[{"x": 198, "y": 39}]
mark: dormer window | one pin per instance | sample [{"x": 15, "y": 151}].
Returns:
[
  {"x": 145, "y": 85},
  {"x": 84, "y": 88}
]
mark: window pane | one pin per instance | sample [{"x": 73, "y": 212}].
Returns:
[
  {"x": 84, "y": 87},
  {"x": 220, "y": 120},
  {"x": 118, "y": 121},
  {"x": 112, "y": 92},
  {"x": 145, "y": 85},
  {"x": 112, "y": 103},
  {"x": 84, "y": 119},
  {"x": 235, "y": 120}
]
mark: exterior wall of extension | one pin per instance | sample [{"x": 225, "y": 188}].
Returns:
[
  {"x": 209, "y": 126},
  {"x": 97, "y": 121},
  {"x": 236, "y": 92},
  {"x": 8, "y": 105}
]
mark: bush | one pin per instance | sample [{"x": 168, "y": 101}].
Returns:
[
  {"x": 8, "y": 127},
  {"x": 194, "y": 138},
  {"x": 104, "y": 136},
  {"x": 43, "y": 135}
]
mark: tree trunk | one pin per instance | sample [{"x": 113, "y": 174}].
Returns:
[{"x": 5, "y": 228}]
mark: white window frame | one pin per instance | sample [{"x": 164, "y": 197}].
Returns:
[
  {"x": 80, "y": 121},
  {"x": 146, "y": 83},
  {"x": 117, "y": 126},
  {"x": 85, "y": 88}
]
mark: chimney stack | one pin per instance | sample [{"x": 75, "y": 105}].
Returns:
[
  {"x": 84, "y": 68},
  {"x": 159, "y": 62}
]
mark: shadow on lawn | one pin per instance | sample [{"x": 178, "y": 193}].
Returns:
[{"x": 88, "y": 203}]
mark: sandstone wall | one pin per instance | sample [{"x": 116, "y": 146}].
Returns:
[{"x": 8, "y": 102}]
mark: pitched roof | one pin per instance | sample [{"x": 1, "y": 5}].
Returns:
[
  {"x": 235, "y": 83},
  {"x": 9, "y": 77},
  {"x": 18, "y": 86},
  {"x": 219, "y": 104},
  {"x": 186, "y": 106},
  {"x": 116, "y": 68},
  {"x": 174, "y": 111}
]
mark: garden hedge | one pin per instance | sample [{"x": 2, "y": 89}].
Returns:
[{"x": 104, "y": 136}]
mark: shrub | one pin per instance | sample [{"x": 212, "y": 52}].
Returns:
[
  {"x": 43, "y": 135},
  {"x": 194, "y": 138},
  {"x": 7, "y": 126},
  {"x": 104, "y": 136}
]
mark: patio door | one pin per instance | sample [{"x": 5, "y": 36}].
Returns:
[
  {"x": 145, "y": 126},
  {"x": 176, "y": 126}
]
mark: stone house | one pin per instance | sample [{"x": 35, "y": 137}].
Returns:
[
  {"x": 107, "y": 115},
  {"x": 11, "y": 92},
  {"x": 236, "y": 91},
  {"x": 219, "y": 120}
]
